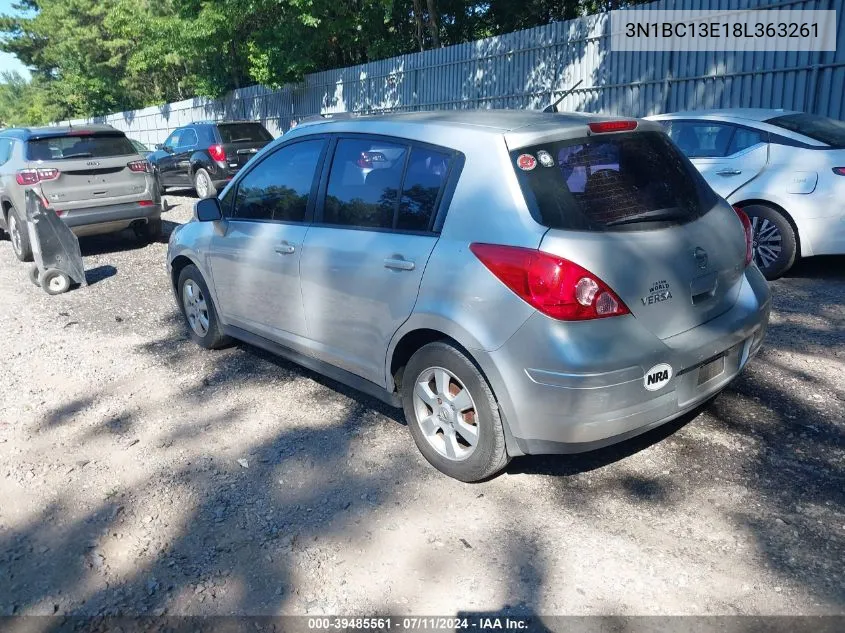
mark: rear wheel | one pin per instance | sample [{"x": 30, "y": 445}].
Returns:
[
  {"x": 203, "y": 185},
  {"x": 19, "y": 236},
  {"x": 452, "y": 413},
  {"x": 199, "y": 312},
  {"x": 34, "y": 275},
  {"x": 774, "y": 241}
]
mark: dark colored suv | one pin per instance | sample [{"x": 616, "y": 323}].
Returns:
[{"x": 206, "y": 155}]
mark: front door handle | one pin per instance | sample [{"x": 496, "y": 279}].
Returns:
[
  {"x": 285, "y": 248},
  {"x": 729, "y": 172},
  {"x": 399, "y": 264}
]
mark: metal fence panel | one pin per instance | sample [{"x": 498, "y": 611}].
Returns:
[{"x": 526, "y": 68}]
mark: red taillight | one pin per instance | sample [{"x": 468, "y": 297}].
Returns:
[
  {"x": 553, "y": 285},
  {"x": 145, "y": 203},
  {"x": 34, "y": 176},
  {"x": 140, "y": 166},
  {"x": 601, "y": 127},
  {"x": 749, "y": 234},
  {"x": 217, "y": 152},
  {"x": 839, "y": 171}
]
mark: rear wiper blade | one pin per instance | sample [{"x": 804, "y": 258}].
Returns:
[
  {"x": 659, "y": 215},
  {"x": 240, "y": 140},
  {"x": 79, "y": 155}
]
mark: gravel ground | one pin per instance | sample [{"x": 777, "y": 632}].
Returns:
[{"x": 141, "y": 474}]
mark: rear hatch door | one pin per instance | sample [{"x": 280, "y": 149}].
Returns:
[
  {"x": 242, "y": 141},
  {"x": 630, "y": 208},
  {"x": 93, "y": 170}
]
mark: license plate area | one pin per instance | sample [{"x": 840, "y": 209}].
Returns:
[{"x": 711, "y": 370}]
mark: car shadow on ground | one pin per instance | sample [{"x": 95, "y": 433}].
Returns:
[{"x": 821, "y": 267}]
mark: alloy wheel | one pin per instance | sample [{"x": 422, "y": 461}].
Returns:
[
  {"x": 767, "y": 241},
  {"x": 196, "y": 307},
  {"x": 15, "y": 233},
  {"x": 446, "y": 413},
  {"x": 202, "y": 184}
]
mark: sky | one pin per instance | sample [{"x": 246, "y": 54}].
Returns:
[{"x": 7, "y": 60}]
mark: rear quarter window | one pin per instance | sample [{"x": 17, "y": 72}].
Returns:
[
  {"x": 79, "y": 146},
  {"x": 607, "y": 181},
  {"x": 243, "y": 133},
  {"x": 819, "y": 128}
]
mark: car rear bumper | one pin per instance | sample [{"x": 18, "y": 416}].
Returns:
[
  {"x": 823, "y": 236},
  {"x": 109, "y": 218},
  {"x": 572, "y": 387}
]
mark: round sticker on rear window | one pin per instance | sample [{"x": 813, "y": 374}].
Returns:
[
  {"x": 545, "y": 158},
  {"x": 526, "y": 162}
]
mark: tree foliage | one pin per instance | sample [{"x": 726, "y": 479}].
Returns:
[{"x": 92, "y": 57}]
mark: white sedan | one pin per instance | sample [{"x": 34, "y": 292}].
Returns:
[{"x": 785, "y": 169}]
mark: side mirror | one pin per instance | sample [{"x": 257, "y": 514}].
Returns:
[
  {"x": 159, "y": 145},
  {"x": 208, "y": 210}
]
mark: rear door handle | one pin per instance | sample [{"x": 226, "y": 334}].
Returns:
[
  {"x": 285, "y": 248},
  {"x": 399, "y": 264},
  {"x": 729, "y": 172}
]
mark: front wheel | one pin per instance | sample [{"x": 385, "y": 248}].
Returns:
[
  {"x": 452, "y": 413},
  {"x": 774, "y": 241},
  {"x": 203, "y": 185},
  {"x": 199, "y": 312}
]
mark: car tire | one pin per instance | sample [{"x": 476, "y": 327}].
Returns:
[
  {"x": 203, "y": 185},
  {"x": 443, "y": 425},
  {"x": 198, "y": 310},
  {"x": 775, "y": 242},
  {"x": 150, "y": 231},
  {"x": 19, "y": 236},
  {"x": 35, "y": 275},
  {"x": 55, "y": 282}
]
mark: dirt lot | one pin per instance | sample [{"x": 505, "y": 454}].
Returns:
[{"x": 141, "y": 474}]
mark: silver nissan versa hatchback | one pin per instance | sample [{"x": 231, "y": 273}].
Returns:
[{"x": 518, "y": 282}]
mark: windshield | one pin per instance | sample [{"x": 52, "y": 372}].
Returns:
[
  {"x": 604, "y": 182},
  {"x": 243, "y": 133},
  {"x": 819, "y": 128},
  {"x": 79, "y": 146}
]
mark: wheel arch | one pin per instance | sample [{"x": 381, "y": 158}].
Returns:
[
  {"x": 411, "y": 338},
  {"x": 779, "y": 208}
]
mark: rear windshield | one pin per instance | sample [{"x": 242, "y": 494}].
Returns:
[
  {"x": 604, "y": 182},
  {"x": 79, "y": 146},
  {"x": 243, "y": 133},
  {"x": 819, "y": 128}
]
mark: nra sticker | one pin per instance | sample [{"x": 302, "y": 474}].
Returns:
[
  {"x": 526, "y": 162},
  {"x": 545, "y": 158},
  {"x": 657, "y": 377}
]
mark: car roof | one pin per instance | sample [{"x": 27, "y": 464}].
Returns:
[
  {"x": 495, "y": 121},
  {"x": 26, "y": 133},
  {"x": 210, "y": 122},
  {"x": 460, "y": 128},
  {"x": 749, "y": 114}
]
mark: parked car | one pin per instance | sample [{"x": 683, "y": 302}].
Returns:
[
  {"x": 206, "y": 155},
  {"x": 91, "y": 176},
  {"x": 519, "y": 283},
  {"x": 785, "y": 169},
  {"x": 142, "y": 149}
]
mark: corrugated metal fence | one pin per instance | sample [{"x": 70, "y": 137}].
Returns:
[{"x": 523, "y": 70}]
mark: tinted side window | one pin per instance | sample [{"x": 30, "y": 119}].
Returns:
[
  {"x": 364, "y": 183},
  {"x": 743, "y": 139},
  {"x": 279, "y": 186},
  {"x": 188, "y": 138},
  {"x": 424, "y": 179},
  {"x": 173, "y": 139},
  {"x": 701, "y": 139}
]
